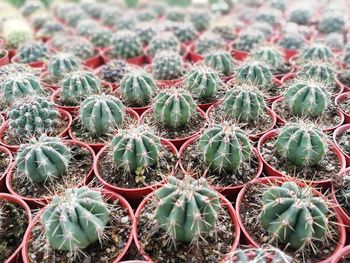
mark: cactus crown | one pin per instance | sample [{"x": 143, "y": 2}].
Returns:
[
  {"x": 319, "y": 71},
  {"x": 167, "y": 65},
  {"x": 31, "y": 52},
  {"x": 221, "y": 61},
  {"x": 208, "y": 42},
  {"x": 292, "y": 41},
  {"x": 270, "y": 55},
  {"x": 76, "y": 219},
  {"x": 86, "y": 27},
  {"x": 331, "y": 21},
  {"x": 114, "y": 70},
  {"x": 344, "y": 190},
  {"x": 263, "y": 254},
  {"x": 317, "y": 51},
  {"x": 79, "y": 47},
  {"x": 249, "y": 39},
  {"x": 126, "y": 44},
  {"x": 101, "y": 37},
  {"x": 175, "y": 14},
  {"x": 187, "y": 209},
  {"x": 255, "y": 72},
  {"x": 62, "y": 64},
  {"x": 200, "y": 19},
  {"x": 145, "y": 31},
  {"x": 165, "y": 41},
  {"x": 300, "y": 15},
  {"x": 185, "y": 32}
]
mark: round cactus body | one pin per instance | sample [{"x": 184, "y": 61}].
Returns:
[
  {"x": 167, "y": 65},
  {"x": 255, "y": 72},
  {"x": 185, "y": 32},
  {"x": 318, "y": 71},
  {"x": 249, "y": 39},
  {"x": 301, "y": 15},
  {"x": 272, "y": 56},
  {"x": 200, "y": 19},
  {"x": 126, "y": 44},
  {"x": 163, "y": 42},
  {"x": 317, "y": 51},
  {"x": 32, "y": 52},
  {"x": 292, "y": 41},
  {"x": 101, "y": 37},
  {"x": 62, "y": 64},
  {"x": 331, "y": 22},
  {"x": 145, "y": 31},
  {"x": 79, "y": 47},
  {"x": 221, "y": 61},
  {"x": 208, "y": 42}
]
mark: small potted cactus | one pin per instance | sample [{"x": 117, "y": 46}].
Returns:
[
  {"x": 222, "y": 62},
  {"x": 78, "y": 225},
  {"x": 314, "y": 51},
  {"x": 135, "y": 162},
  {"x": 206, "y": 43},
  {"x": 186, "y": 33},
  {"x": 32, "y": 53},
  {"x": 113, "y": 72},
  {"x": 342, "y": 102},
  {"x": 184, "y": 215},
  {"x": 341, "y": 198},
  {"x": 263, "y": 254},
  {"x": 101, "y": 38},
  {"x": 145, "y": 31},
  {"x": 247, "y": 40},
  {"x": 291, "y": 43}
]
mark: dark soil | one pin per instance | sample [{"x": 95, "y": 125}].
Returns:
[
  {"x": 117, "y": 234},
  {"x": 344, "y": 78},
  {"x": 344, "y": 142},
  {"x": 284, "y": 69},
  {"x": 79, "y": 166},
  {"x": 158, "y": 245}
]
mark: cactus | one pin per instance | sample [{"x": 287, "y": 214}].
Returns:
[
  {"x": 224, "y": 147},
  {"x": 186, "y": 209},
  {"x": 76, "y": 219},
  {"x": 78, "y": 85},
  {"x": 31, "y": 52},
  {"x": 79, "y": 47},
  {"x": 343, "y": 191},
  {"x": 109, "y": 14},
  {"x": 224, "y": 29},
  {"x": 249, "y": 39},
  {"x": 294, "y": 216},
  {"x": 174, "y": 107},
  {"x": 126, "y": 44},
  {"x": 15, "y": 68},
  {"x": 146, "y": 15},
  {"x": 319, "y": 71},
  {"x": 221, "y": 61},
  {"x": 92, "y": 9},
  {"x": 167, "y": 65},
  {"x": 101, "y": 37},
  {"x": 301, "y": 15},
  {"x": 15, "y": 33},
  {"x": 86, "y": 27},
  {"x": 255, "y": 72},
  {"x": 135, "y": 149},
  {"x": 61, "y": 64},
  {"x": 263, "y": 254},
  {"x": 244, "y": 103},
  {"x": 265, "y": 28},
  {"x": 43, "y": 159},
  {"x": 113, "y": 71},
  {"x": 49, "y": 29},
  {"x": 32, "y": 116},
  {"x": 307, "y": 98},
  {"x": 302, "y": 144},
  {"x": 270, "y": 55},
  {"x": 138, "y": 88},
  {"x": 317, "y": 51},
  {"x": 203, "y": 82},
  {"x": 292, "y": 41},
  {"x": 163, "y": 42},
  {"x": 334, "y": 40},
  {"x": 30, "y": 7},
  {"x": 279, "y": 4},
  {"x": 74, "y": 16},
  {"x": 331, "y": 22},
  {"x": 101, "y": 114},
  {"x": 175, "y": 14},
  {"x": 269, "y": 15},
  {"x": 185, "y": 32},
  {"x": 145, "y": 31},
  {"x": 126, "y": 22},
  {"x": 200, "y": 19},
  {"x": 208, "y": 42},
  {"x": 19, "y": 86}
]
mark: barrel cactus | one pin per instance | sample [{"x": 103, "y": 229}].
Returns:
[
  {"x": 126, "y": 44},
  {"x": 262, "y": 254},
  {"x": 346, "y": 54},
  {"x": 185, "y": 32},
  {"x": 175, "y": 14},
  {"x": 292, "y": 41},
  {"x": 167, "y": 65},
  {"x": 317, "y": 51},
  {"x": 255, "y": 72},
  {"x": 270, "y": 55},
  {"x": 163, "y": 42},
  {"x": 221, "y": 61},
  {"x": 79, "y": 47},
  {"x": 186, "y": 209},
  {"x": 101, "y": 37},
  {"x": 61, "y": 64},
  {"x": 31, "y": 52},
  {"x": 208, "y": 42},
  {"x": 331, "y": 21},
  {"x": 43, "y": 159},
  {"x": 320, "y": 71},
  {"x": 200, "y": 19},
  {"x": 15, "y": 33},
  {"x": 301, "y": 15},
  {"x": 76, "y": 219},
  {"x": 248, "y": 40},
  {"x": 86, "y": 27},
  {"x": 145, "y": 31},
  {"x": 113, "y": 71},
  {"x": 108, "y": 15}
]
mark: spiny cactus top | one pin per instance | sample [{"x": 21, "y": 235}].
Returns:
[
  {"x": 317, "y": 51},
  {"x": 254, "y": 72},
  {"x": 32, "y": 51},
  {"x": 175, "y": 14},
  {"x": 63, "y": 63},
  {"x": 262, "y": 254},
  {"x": 164, "y": 41},
  {"x": 208, "y": 42},
  {"x": 221, "y": 61},
  {"x": 126, "y": 44},
  {"x": 225, "y": 147},
  {"x": 187, "y": 209},
  {"x": 76, "y": 219},
  {"x": 108, "y": 15},
  {"x": 301, "y": 143},
  {"x": 292, "y": 41},
  {"x": 301, "y": 14},
  {"x": 294, "y": 216},
  {"x": 167, "y": 65},
  {"x": 86, "y": 27},
  {"x": 200, "y": 19},
  {"x": 269, "y": 15},
  {"x": 43, "y": 159},
  {"x": 101, "y": 37},
  {"x": 319, "y": 71},
  {"x": 79, "y": 47},
  {"x": 145, "y": 31},
  {"x": 113, "y": 71},
  {"x": 185, "y": 32},
  {"x": 16, "y": 32},
  {"x": 249, "y": 39},
  {"x": 272, "y": 56},
  {"x": 331, "y": 21}
]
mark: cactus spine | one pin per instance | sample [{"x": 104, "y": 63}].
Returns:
[
  {"x": 62, "y": 64},
  {"x": 255, "y": 72},
  {"x": 221, "y": 61},
  {"x": 167, "y": 65}
]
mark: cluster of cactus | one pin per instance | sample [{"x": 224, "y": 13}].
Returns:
[
  {"x": 302, "y": 144},
  {"x": 167, "y": 65},
  {"x": 200, "y": 19},
  {"x": 174, "y": 107},
  {"x": 270, "y": 55},
  {"x": 114, "y": 70},
  {"x": 292, "y": 41},
  {"x": 221, "y": 61},
  {"x": 86, "y": 27},
  {"x": 224, "y": 147},
  {"x": 331, "y": 22},
  {"x": 301, "y": 15},
  {"x": 320, "y": 71},
  {"x": 317, "y": 51},
  {"x": 80, "y": 47},
  {"x": 248, "y": 40},
  {"x": 145, "y": 31},
  {"x": 126, "y": 44},
  {"x": 187, "y": 209},
  {"x": 135, "y": 149},
  {"x": 44, "y": 159},
  {"x": 138, "y": 88},
  {"x": 185, "y": 32},
  {"x": 254, "y": 72},
  {"x": 76, "y": 219},
  {"x": 163, "y": 42},
  {"x": 32, "y": 116},
  {"x": 62, "y": 64},
  {"x": 262, "y": 254},
  {"x": 208, "y": 42},
  {"x": 294, "y": 216},
  {"x": 101, "y": 37}
]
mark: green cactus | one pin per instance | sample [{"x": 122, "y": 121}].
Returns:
[
  {"x": 113, "y": 71},
  {"x": 269, "y": 15},
  {"x": 135, "y": 149},
  {"x": 322, "y": 72},
  {"x": 292, "y": 41},
  {"x": 317, "y": 51},
  {"x": 208, "y": 42},
  {"x": 126, "y": 44},
  {"x": 30, "y": 7},
  {"x": 101, "y": 37},
  {"x": 73, "y": 16},
  {"x": 255, "y": 72},
  {"x": 249, "y": 39},
  {"x": 145, "y": 31},
  {"x": 225, "y": 147},
  {"x": 62, "y": 64},
  {"x": 146, "y": 15},
  {"x": 31, "y": 52},
  {"x": 301, "y": 143},
  {"x": 125, "y": 22},
  {"x": 301, "y": 15},
  {"x": 294, "y": 216},
  {"x": 270, "y": 55},
  {"x": 86, "y": 27},
  {"x": 32, "y": 116},
  {"x": 43, "y": 159},
  {"x": 20, "y": 85},
  {"x": 200, "y": 19},
  {"x": 101, "y": 114},
  {"x": 265, "y": 28},
  {"x": 343, "y": 191},
  {"x": 79, "y": 47},
  {"x": 175, "y": 14},
  {"x": 92, "y": 9},
  {"x": 163, "y": 42},
  {"x": 221, "y": 61},
  {"x": 203, "y": 82},
  {"x": 109, "y": 15},
  {"x": 262, "y": 254},
  {"x": 76, "y": 219},
  {"x": 16, "y": 33},
  {"x": 331, "y": 22},
  {"x": 174, "y": 107},
  {"x": 167, "y": 65},
  {"x": 138, "y": 88},
  {"x": 186, "y": 209},
  {"x": 185, "y": 32},
  {"x": 49, "y": 29},
  {"x": 224, "y": 29},
  {"x": 335, "y": 40},
  {"x": 78, "y": 85},
  {"x": 307, "y": 98},
  {"x": 244, "y": 103}
]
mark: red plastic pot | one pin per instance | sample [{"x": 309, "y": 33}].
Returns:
[
  {"x": 135, "y": 61},
  {"x": 109, "y": 196},
  {"x": 10, "y": 160},
  {"x": 5, "y": 59},
  {"x": 193, "y": 55},
  {"x": 340, "y": 98},
  {"x": 132, "y": 193},
  {"x": 337, "y": 133},
  {"x": 14, "y": 148},
  {"x": 93, "y": 62},
  {"x": 223, "y": 200},
  {"x": 342, "y": 255},
  {"x": 40, "y": 202},
  {"x": 12, "y": 53},
  {"x": 272, "y": 171},
  {"x": 238, "y": 54},
  {"x": 71, "y": 109},
  {"x": 13, "y": 199},
  {"x": 279, "y": 180},
  {"x": 206, "y": 106},
  {"x": 35, "y": 64}
]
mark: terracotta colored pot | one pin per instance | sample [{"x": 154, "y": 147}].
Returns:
[
  {"x": 238, "y": 54},
  {"x": 341, "y": 255},
  {"x": 10, "y": 160},
  {"x": 272, "y": 171},
  {"x": 337, "y": 133},
  {"x": 136, "y": 60},
  {"x": 132, "y": 193},
  {"x": 279, "y": 180},
  {"x": 93, "y": 62},
  {"x": 340, "y": 98},
  {"x": 14, "y": 148},
  {"x": 40, "y": 202},
  {"x": 110, "y": 196},
  {"x": 5, "y": 59},
  {"x": 13, "y": 199},
  {"x": 35, "y": 64},
  {"x": 12, "y": 53},
  {"x": 223, "y": 200}
]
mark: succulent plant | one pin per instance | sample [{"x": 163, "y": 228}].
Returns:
[
  {"x": 270, "y": 55},
  {"x": 61, "y": 64},
  {"x": 187, "y": 209},
  {"x": 331, "y": 22},
  {"x": 221, "y": 61},
  {"x": 224, "y": 147},
  {"x": 43, "y": 159},
  {"x": 254, "y": 72},
  {"x": 262, "y": 254},
  {"x": 334, "y": 40},
  {"x": 322, "y": 72},
  {"x": 208, "y": 42},
  {"x": 294, "y": 216},
  {"x": 200, "y": 19},
  {"x": 167, "y": 65},
  {"x": 174, "y": 107},
  {"x": 101, "y": 37},
  {"x": 113, "y": 71},
  {"x": 223, "y": 29},
  {"x": 145, "y": 31},
  {"x": 269, "y": 15},
  {"x": 175, "y": 14},
  {"x": 94, "y": 10},
  {"x": 265, "y": 28},
  {"x": 78, "y": 85},
  {"x": 125, "y": 22},
  {"x": 301, "y": 15},
  {"x": 30, "y": 7},
  {"x": 109, "y": 15},
  {"x": 292, "y": 41},
  {"x": 138, "y": 88},
  {"x": 11, "y": 69},
  {"x": 317, "y": 51},
  {"x": 146, "y": 15},
  {"x": 50, "y": 28},
  {"x": 80, "y": 47},
  {"x": 32, "y": 116},
  {"x": 31, "y": 52},
  {"x": 126, "y": 44},
  {"x": 279, "y": 4},
  {"x": 249, "y": 39},
  {"x": 135, "y": 149},
  {"x": 86, "y": 27},
  {"x": 76, "y": 219},
  {"x": 159, "y": 8},
  {"x": 343, "y": 190},
  {"x": 73, "y": 16},
  {"x": 163, "y": 42},
  {"x": 15, "y": 33},
  {"x": 185, "y": 32},
  {"x": 301, "y": 143}
]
